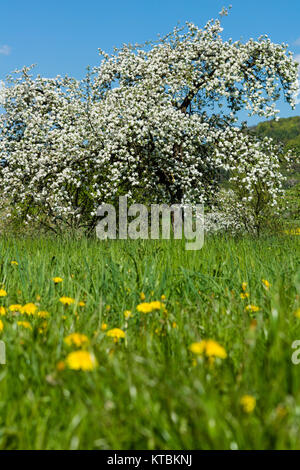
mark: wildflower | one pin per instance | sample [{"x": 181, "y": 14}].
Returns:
[
  {"x": 297, "y": 313},
  {"x": 66, "y": 300},
  {"x": 252, "y": 308},
  {"x": 43, "y": 314},
  {"x": 142, "y": 296},
  {"x": 144, "y": 307},
  {"x": 107, "y": 308},
  {"x": 248, "y": 403},
  {"x": 81, "y": 303},
  {"x": 3, "y": 293},
  {"x": 174, "y": 324},
  {"x": 42, "y": 329},
  {"x": 127, "y": 314},
  {"x": 14, "y": 263},
  {"x": 15, "y": 308},
  {"x": 295, "y": 231},
  {"x": 1, "y": 326},
  {"x": 76, "y": 339},
  {"x": 163, "y": 297},
  {"x": 81, "y": 360},
  {"x": 2, "y": 311},
  {"x": 60, "y": 366},
  {"x": 156, "y": 305},
  {"x": 25, "y": 324},
  {"x": 116, "y": 334},
  {"x": 103, "y": 326},
  {"x": 29, "y": 309},
  {"x": 209, "y": 348},
  {"x": 244, "y": 286},
  {"x": 57, "y": 280},
  {"x": 244, "y": 295},
  {"x": 266, "y": 283}
]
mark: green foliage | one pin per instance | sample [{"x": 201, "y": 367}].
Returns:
[
  {"x": 290, "y": 206},
  {"x": 146, "y": 393},
  {"x": 285, "y": 130}
]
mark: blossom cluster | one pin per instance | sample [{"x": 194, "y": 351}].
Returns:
[{"x": 156, "y": 122}]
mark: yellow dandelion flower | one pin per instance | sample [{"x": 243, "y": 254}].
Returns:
[
  {"x": 76, "y": 339},
  {"x": 81, "y": 303},
  {"x": 116, "y": 334},
  {"x": 104, "y": 326},
  {"x": 3, "y": 293},
  {"x": 127, "y": 314},
  {"x": 194, "y": 362},
  {"x": 25, "y": 324},
  {"x": 144, "y": 307},
  {"x": 14, "y": 263},
  {"x": 297, "y": 313},
  {"x": 1, "y": 326},
  {"x": 60, "y": 366},
  {"x": 156, "y": 305},
  {"x": 252, "y": 308},
  {"x": 214, "y": 349},
  {"x": 57, "y": 280},
  {"x": 198, "y": 348},
  {"x": 295, "y": 231},
  {"x": 244, "y": 295},
  {"x": 66, "y": 300},
  {"x": 163, "y": 297},
  {"x": 42, "y": 329},
  {"x": 244, "y": 286},
  {"x": 266, "y": 283},
  {"x": 81, "y": 360},
  {"x": 174, "y": 324},
  {"x": 29, "y": 309},
  {"x": 209, "y": 348},
  {"x": 142, "y": 296},
  {"x": 43, "y": 314},
  {"x": 15, "y": 308},
  {"x": 248, "y": 403},
  {"x": 2, "y": 311}
]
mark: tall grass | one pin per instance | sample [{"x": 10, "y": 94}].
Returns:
[{"x": 148, "y": 391}]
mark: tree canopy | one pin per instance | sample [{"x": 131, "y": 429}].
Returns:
[{"x": 154, "y": 122}]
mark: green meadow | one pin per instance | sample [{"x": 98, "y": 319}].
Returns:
[{"x": 147, "y": 388}]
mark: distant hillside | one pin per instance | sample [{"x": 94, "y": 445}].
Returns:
[{"x": 286, "y": 130}]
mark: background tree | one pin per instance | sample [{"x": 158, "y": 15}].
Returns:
[{"x": 155, "y": 122}]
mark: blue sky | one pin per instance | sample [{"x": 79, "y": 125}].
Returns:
[{"x": 64, "y": 36}]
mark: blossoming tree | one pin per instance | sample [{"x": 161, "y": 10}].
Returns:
[{"x": 157, "y": 123}]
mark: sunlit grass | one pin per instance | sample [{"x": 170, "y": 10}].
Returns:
[{"x": 146, "y": 388}]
